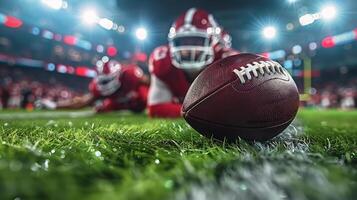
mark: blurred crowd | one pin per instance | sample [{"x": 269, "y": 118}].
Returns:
[
  {"x": 333, "y": 94},
  {"x": 20, "y": 89},
  {"x": 23, "y": 94}
]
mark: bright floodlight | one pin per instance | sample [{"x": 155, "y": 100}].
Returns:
[
  {"x": 89, "y": 16},
  {"x": 106, "y": 23},
  {"x": 105, "y": 59},
  {"x": 292, "y": 1},
  {"x": 328, "y": 12},
  {"x": 306, "y": 19},
  {"x": 296, "y": 49},
  {"x": 141, "y": 33},
  {"x": 269, "y": 32},
  {"x": 54, "y": 4}
]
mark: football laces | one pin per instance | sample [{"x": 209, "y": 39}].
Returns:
[{"x": 255, "y": 69}]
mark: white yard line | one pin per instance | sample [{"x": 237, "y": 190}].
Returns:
[
  {"x": 269, "y": 176},
  {"x": 47, "y": 114}
]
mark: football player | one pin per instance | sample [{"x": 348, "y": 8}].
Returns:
[
  {"x": 119, "y": 87},
  {"x": 195, "y": 41}
]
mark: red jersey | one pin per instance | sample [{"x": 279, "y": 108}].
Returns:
[
  {"x": 131, "y": 95},
  {"x": 169, "y": 84}
]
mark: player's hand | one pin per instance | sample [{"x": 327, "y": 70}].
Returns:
[{"x": 45, "y": 104}]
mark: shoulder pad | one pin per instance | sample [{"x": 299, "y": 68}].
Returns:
[
  {"x": 160, "y": 61},
  {"x": 135, "y": 70}
]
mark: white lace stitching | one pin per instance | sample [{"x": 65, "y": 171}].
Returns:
[{"x": 257, "y": 68}]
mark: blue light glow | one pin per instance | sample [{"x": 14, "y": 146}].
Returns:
[
  {"x": 35, "y": 31},
  {"x": 288, "y": 64}
]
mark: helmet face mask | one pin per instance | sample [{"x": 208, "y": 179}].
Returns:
[
  {"x": 108, "y": 77},
  {"x": 191, "y": 39},
  {"x": 191, "y": 51}
]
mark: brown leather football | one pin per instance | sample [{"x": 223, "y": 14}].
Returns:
[{"x": 245, "y": 95}]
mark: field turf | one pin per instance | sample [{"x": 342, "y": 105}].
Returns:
[{"x": 64, "y": 155}]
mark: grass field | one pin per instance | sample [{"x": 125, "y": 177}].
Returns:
[{"x": 61, "y": 155}]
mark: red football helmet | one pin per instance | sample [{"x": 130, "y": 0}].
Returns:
[
  {"x": 107, "y": 79},
  {"x": 192, "y": 38}
]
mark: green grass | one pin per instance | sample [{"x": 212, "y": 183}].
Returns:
[{"x": 124, "y": 156}]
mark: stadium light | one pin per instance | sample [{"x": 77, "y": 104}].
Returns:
[
  {"x": 292, "y": 1},
  {"x": 296, "y": 49},
  {"x": 106, "y": 23},
  {"x": 269, "y": 32},
  {"x": 89, "y": 16},
  {"x": 105, "y": 59},
  {"x": 141, "y": 33},
  {"x": 306, "y": 19},
  {"x": 312, "y": 46},
  {"x": 328, "y": 12},
  {"x": 54, "y": 4},
  {"x": 121, "y": 29},
  {"x": 290, "y": 26}
]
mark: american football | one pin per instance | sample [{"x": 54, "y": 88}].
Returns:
[
  {"x": 245, "y": 96},
  {"x": 178, "y": 100}
]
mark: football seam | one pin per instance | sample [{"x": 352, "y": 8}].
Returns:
[
  {"x": 223, "y": 85},
  {"x": 212, "y": 64},
  {"x": 216, "y": 91},
  {"x": 207, "y": 96},
  {"x": 245, "y": 91}
]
